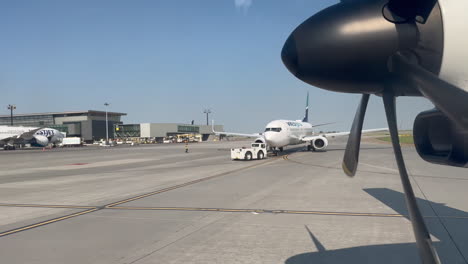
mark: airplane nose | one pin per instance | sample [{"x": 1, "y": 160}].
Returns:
[
  {"x": 271, "y": 138},
  {"x": 346, "y": 47}
]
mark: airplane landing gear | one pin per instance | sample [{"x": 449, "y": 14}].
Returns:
[
  {"x": 275, "y": 150},
  {"x": 310, "y": 147}
]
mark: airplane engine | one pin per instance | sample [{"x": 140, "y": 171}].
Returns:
[
  {"x": 259, "y": 140},
  {"x": 41, "y": 140},
  {"x": 439, "y": 140},
  {"x": 56, "y": 139},
  {"x": 320, "y": 143}
]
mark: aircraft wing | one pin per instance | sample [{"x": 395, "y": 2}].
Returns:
[
  {"x": 11, "y": 140},
  {"x": 19, "y": 139},
  {"x": 254, "y": 135},
  {"x": 324, "y": 124},
  {"x": 338, "y": 134},
  {"x": 29, "y": 135}
]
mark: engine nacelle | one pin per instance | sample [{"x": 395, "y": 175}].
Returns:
[
  {"x": 56, "y": 139},
  {"x": 439, "y": 140},
  {"x": 259, "y": 140},
  {"x": 320, "y": 143},
  {"x": 41, "y": 141}
]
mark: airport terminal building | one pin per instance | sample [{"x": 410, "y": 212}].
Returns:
[
  {"x": 89, "y": 125},
  {"x": 159, "y": 131}
]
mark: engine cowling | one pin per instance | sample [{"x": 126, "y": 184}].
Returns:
[
  {"x": 320, "y": 143},
  {"x": 56, "y": 139},
  {"x": 41, "y": 140},
  {"x": 259, "y": 140},
  {"x": 438, "y": 140}
]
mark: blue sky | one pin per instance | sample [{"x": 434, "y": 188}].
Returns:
[{"x": 165, "y": 61}]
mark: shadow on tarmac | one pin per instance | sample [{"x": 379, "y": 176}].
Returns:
[
  {"x": 397, "y": 253},
  {"x": 344, "y": 148}
]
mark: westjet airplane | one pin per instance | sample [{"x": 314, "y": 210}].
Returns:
[
  {"x": 41, "y": 137},
  {"x": 281, "y": 133}
]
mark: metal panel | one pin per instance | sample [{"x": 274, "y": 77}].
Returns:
[
  {"x": 145, "y": 130},
  {"x": 68, "y": 119},
  {"x": 162, "y": 129},
  {"x": 87, "y": 130},
  {"x": 204, "y": 129}
]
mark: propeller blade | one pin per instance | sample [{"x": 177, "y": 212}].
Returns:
[
  {"x": 351, "y": 156},
  {"x": 427, "y": 251},
  {"x": 448, "y": 98}
]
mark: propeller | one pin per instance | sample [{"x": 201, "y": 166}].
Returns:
[{"x": 366, "y": 47}]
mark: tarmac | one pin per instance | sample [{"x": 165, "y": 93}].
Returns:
[{"x": 157, "y": 204}]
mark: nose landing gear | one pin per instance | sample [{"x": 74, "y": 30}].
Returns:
[{"x": 276, "y": 150}]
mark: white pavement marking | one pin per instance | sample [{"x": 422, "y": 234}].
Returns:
[{"x": 379, "y": 167}]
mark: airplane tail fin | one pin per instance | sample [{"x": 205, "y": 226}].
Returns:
[{"x": 306, "y": 117}]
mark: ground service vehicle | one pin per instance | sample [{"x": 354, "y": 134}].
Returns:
[
  {"x": 71, "y": 142},
  {"x": 256, "y": 151}
]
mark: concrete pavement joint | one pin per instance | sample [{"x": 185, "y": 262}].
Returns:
[
  {"x": 49, "y": 206},
  {"x": 110, "y": 206},
  {"x": 186, "y": 184},
  {"x": 259, "y": 211},
  {"x": 43, "y": 223},
  {"x": 440, "y": 220}
]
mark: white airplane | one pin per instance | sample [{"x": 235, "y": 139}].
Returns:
[
  {"x": 41, "y": 137},
  {"x": 281, "y": 133}
]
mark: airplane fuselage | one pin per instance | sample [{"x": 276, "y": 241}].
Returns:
[
  {"x": 280, "y": 133},
  {"x": 42, "y": 137}
]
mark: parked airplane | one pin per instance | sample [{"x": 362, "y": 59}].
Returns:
[
  {"x": 41, "y": 137},
  {"x": 281, "y": 133},
  {"x": 393, "y": 48}
]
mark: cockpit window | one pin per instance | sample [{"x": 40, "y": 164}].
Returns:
[{"x": 275, "y": 129}]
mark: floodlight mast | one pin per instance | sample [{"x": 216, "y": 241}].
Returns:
[
  {"x": 107, "y": 125},
  {"x": 11, "y": 108},
  {"x": 207, "y": 112}
]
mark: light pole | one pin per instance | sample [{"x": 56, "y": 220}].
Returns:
[
  {"x": 207, "y": 112},
  {"x": 11, "y": 108},
  {"x": 107, "y": 126}
]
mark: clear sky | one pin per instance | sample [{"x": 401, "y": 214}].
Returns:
[{"x": 165, "y": 61}]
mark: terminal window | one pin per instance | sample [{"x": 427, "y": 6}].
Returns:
[{"x": 188, "y": 129}]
